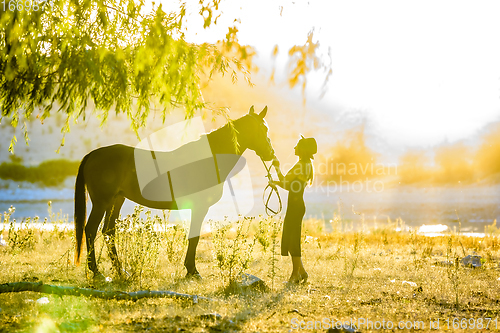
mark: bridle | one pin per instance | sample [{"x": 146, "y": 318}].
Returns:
[{"x": 273, "y": 189}]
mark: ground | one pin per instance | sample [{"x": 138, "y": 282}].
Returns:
[{"x": 375, "y": 275}]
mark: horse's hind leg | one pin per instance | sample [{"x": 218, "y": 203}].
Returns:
[
  {"x": 90, "y": 233},
  {"x": 197, "y": 216},
  {"x": 109, "y": 231}
]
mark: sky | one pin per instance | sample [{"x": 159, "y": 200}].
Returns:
[{"x": 423, "y": 72}]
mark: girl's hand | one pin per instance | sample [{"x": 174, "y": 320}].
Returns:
[{"x": 276, "y": 164}]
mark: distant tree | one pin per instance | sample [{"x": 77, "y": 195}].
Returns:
[
  {"x": 350, "y": 159},
  {"x": 488, "y": 154},
  {"x": 72, "y": 56}
]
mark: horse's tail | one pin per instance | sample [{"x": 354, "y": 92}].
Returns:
[{"x": 80, "y": 209}]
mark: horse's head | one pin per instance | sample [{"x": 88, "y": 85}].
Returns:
[{"x": 252, "y": 134}]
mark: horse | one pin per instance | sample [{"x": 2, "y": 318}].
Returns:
[{"x": 109, "y": 176}]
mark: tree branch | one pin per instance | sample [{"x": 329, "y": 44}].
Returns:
[{"x": 75, "y": 291}]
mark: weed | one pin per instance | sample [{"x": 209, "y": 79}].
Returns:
[
  {"x": 273, "y": 258},
  {"x": 58, "y": 222},
  {"x": 138, "y": 244},
  {"x": 232, "y": 249},
  {"x": 351, "y": 262},
  {"x": 264, "y": 231},
  {"x": 6, "y": 217},
  {"x": 453, "y": 269},
  {"x": 427, "y": 251},
  {"x": 415, "y": 245},
  {"x": 22, "y": 237},
  {"x": 175, "y": 240},
  {"x": 492, "y": 229}
]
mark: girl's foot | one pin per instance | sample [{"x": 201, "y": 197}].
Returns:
[
  {"x": 294, "y": 279},
  {"x": 303, "y": 277},
  {"x": 298, "y": 278}
]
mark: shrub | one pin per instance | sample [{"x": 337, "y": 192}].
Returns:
[
  {"x": 232, "y": 249},
  {"x": 48, "y": 173},
  {"x": 138, "y": 244}
]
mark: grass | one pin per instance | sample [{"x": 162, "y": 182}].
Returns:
[{"x": 375, "y": 274}]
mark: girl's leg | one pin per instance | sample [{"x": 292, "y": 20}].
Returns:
[
  {"x": 292, "y": 229},
  {"x": 299, "y": 273}
]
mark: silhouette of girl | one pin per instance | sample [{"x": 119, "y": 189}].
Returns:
[{"x": 295, "y": 182}]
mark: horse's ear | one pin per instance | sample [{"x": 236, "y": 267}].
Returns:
[
  {"x": 263, "y": 113},
  {"x": 252, "y": 110}
]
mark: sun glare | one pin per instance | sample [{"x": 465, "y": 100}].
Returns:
[{"x": 427, "y": 74}]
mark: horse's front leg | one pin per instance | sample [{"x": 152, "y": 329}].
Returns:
[
  {"x": 197, "y": 216},
  {"x": 189, "y": 262}
]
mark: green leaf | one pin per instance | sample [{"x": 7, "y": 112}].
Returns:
[
  {"x": 12, "y": 144},
  {"x": 108, "y": 54}
]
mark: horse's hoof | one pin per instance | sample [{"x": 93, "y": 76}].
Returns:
[
  {"x": 194, "y": 276},
  {"x": 98, "y": 277},
  {"x": 303, "y": 278}
]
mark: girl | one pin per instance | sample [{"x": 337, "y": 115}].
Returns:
[{"x": 295, "y": 182}]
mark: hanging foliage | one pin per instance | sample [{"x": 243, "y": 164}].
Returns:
[{"x": 73, "y": 56}]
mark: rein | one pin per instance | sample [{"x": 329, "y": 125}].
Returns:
[{"x": 274, "y": 189}]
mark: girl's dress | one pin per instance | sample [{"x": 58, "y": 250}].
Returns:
[{"x": 295, "y": 182}]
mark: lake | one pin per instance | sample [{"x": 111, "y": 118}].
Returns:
[{"x": 474, "y": 206}]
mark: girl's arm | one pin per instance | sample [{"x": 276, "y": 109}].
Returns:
[
  {"x": 280, "y": 182},
  {"x": 285, "y": 182},
  {"x": 276, "y": 164}
]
